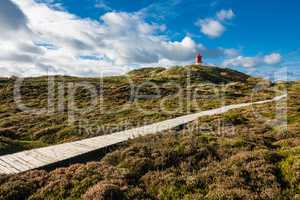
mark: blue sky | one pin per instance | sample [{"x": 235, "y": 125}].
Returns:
[
  {"x": 259, "y": 26},
  {"x": 256, "y": 37}
]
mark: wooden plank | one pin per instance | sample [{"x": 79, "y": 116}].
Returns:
[
  {"x": 8, "y": 166},
  {"x": 15, "y": 161},
  {"x": 7, "y": 169}
]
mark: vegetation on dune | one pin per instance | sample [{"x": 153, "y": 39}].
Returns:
[
  {"x": 250, "y": 158},
  {"x": 143, "y": 96}
]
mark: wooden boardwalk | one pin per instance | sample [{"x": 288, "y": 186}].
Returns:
[{"x": 42, "y": 157}]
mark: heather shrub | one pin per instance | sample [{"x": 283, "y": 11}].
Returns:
[
  {"x": 22, "y": 186},
  {"x": 290, "y": 168},
  {"x": 235, "y": 119},
  {"x": 104, "y": 191}
]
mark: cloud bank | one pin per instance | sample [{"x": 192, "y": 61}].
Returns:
[{"x": 44, "y": 40}]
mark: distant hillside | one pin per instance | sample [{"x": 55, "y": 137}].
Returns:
[
  {"x": 143, "y": 96},
  {"x": 195, "y": 72}
]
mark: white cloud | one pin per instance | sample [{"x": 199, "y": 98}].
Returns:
[
  {"x": 241, "y": 61},
  {"x": 272, "y": 59},
  {"x": 231, "y": 53},
  {"x": 11, "y": 18},
  {"x": 225, "y": 14},
  {"x": 249, "y": 62},
  {"x": 211, "y": 27},
  {"x": 102, "y": 5}
]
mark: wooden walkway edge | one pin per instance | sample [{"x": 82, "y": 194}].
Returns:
[{"x": 42, "y": 157}]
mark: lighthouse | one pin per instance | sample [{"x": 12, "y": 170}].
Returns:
[{"x": 198, "y": 59}]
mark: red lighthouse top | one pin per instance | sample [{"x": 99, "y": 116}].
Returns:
[{"x": 198, "y": 59}]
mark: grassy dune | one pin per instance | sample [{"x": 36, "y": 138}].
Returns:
[{"x": 141, "y": 97}]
